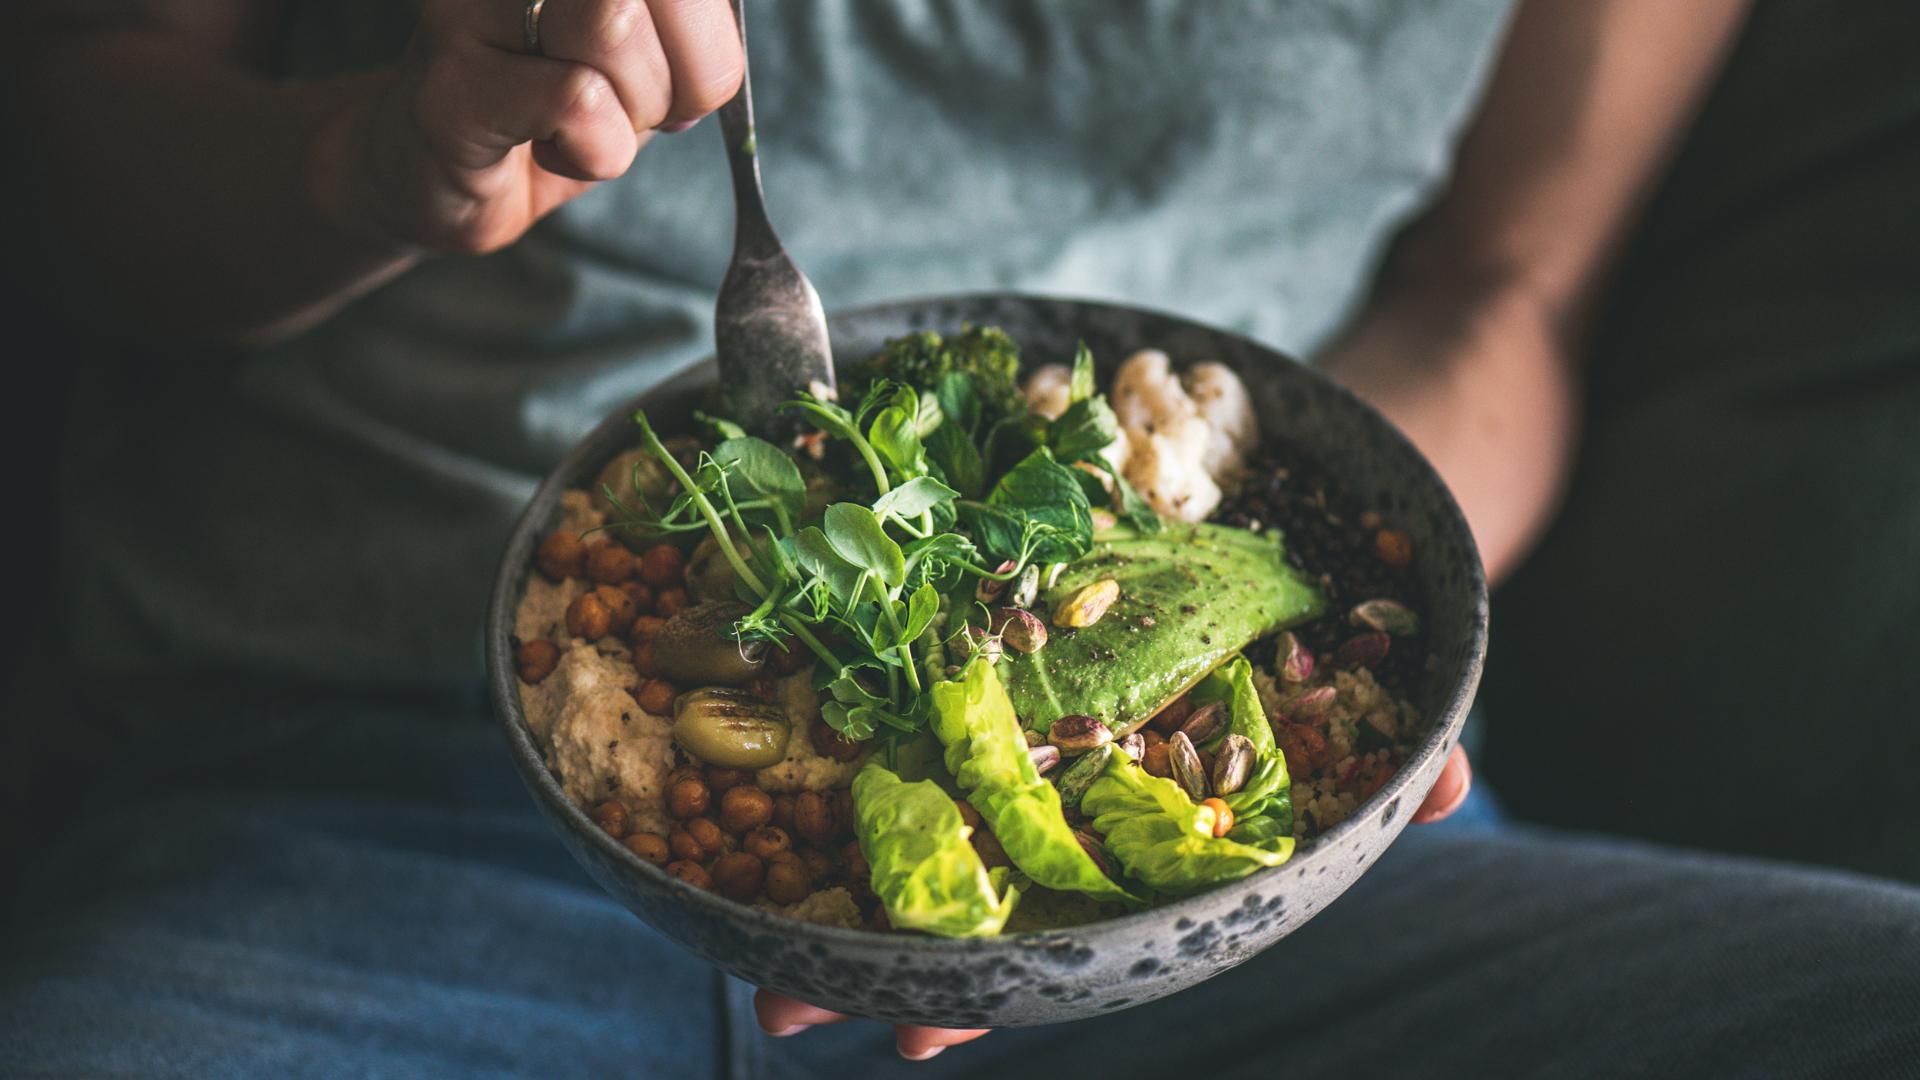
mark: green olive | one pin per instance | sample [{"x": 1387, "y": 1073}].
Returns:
[
  {"x": 636, "y": 480},
  {"x": 730, "y": 728},
  {"x": 710, "y": 574},
  {"x": 697, "y": 646}
]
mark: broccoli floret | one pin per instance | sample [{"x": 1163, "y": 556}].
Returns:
[{"x": 985, "y": 353}]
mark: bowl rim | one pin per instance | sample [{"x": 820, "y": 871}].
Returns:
[{"x": 503, "y": 688}]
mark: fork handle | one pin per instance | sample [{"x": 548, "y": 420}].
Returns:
[{"x": 753, "y": 233}]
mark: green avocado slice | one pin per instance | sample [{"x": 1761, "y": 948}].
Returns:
[{"x": 1190, "y": 597}]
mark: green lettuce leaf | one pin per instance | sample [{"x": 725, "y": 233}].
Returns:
[
  {"x": 1165, "y": 839},
  {"x": 1268, "y": 792},
  {"x": 924, "y": 870},
  {"x": 986, "y": 752}
]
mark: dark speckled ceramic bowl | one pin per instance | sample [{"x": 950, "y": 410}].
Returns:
[{"x": 1046, "y": 977}]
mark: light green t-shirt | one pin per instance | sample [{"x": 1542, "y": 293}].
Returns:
[{"x": 332, "y": 509}]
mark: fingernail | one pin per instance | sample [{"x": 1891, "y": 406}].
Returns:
[
  {"x": 790, "y": 1029},
  {"x": 676, "y": 128},
  {"x": 929, "y": 1052}
]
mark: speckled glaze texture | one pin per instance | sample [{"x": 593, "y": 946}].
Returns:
[{"x": 1048, "y": 977}]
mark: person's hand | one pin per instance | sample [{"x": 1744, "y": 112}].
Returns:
[
  {"x": 781, "y": 1015},
  {"x": 470, "y": 140}
]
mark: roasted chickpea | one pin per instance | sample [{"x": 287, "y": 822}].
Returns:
[
  {"x": 829, "y": 743},
  {"x": 819, "y": 864},
  {"x": 745, "y": 807},
  {"x": 671, "y": 602},
  {"x": 697, "y": 839},
  {"x": 561, "y": 555},
  {"x": 656, "y": 696},
  {"x": 688, "y": 798},
  {"x": 620, "y": 610},
  {"x": 842, "y": 800},
  {"x": 691, "y": 873},
  {"x": 588, "y": 617},
  {"x": 643, "y": 658},
  {"x": 767, "y": 841},
  {"x": 662, "y": 565},
  {"x": 681, "y": 772},
  {"x": 787, "y": 879},
  {"x": 783, "y": 811},
  {"x": 739, "y": 876},
  {"x": 609, "y": 563},
  {"x": 1158, "y": 760},
  {"x": 1152, "y": 736},
  {"x": 1222, "y": 816},
  {"x": 611, "y": 816},
  {"x": 855, "y": 861},
  {"x": 722, "y": 779},
  {"x": 650, "y": 846},
  {"x": 640, "y": 594},
  {"x": 645, "y": 627},
  {"x": 535, "y": 660},
  {"x": 812, "y": 816},
  {"x": 1169, "y": 719}
]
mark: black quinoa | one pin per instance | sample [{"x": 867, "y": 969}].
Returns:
[{"x": 1326, "y": 540}]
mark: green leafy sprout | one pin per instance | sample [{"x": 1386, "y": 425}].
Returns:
[{"x": 872, "y": 583}]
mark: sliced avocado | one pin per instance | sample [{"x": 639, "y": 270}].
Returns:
[{"x": 1190, "y": 597}]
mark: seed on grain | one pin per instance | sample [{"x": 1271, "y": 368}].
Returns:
[
  {"x": 1362, "y": 650},
  {"x": 1188, "y": 771},
  {"x": 1386, "y": 616}
]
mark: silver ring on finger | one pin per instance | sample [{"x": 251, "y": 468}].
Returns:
[{"x": 530, "y": 27}]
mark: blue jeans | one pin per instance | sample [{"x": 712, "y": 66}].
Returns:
[{"x": 377, "y": 897}]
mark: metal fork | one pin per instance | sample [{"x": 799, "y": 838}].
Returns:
[{"x": 769, "y": 329}]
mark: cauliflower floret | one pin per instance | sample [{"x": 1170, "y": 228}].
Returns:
[
  {"x": 802, "y": 769},
  {"x": 1146, "y": 396},
  {"x": 1222, "y": 400},
  {"x": 828, "y": 907},
  {"x": 1180, "y": 445},
  {"x": 602, "y": 744},
  {"x": 1049, "y": 390},
  {"x": 1165, "y": 468}
]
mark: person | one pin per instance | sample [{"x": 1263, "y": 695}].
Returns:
[{"x": 367, "y": 271}]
